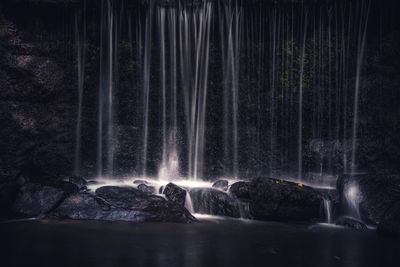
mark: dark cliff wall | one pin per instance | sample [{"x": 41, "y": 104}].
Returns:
[{"x": 38, "y": 94}]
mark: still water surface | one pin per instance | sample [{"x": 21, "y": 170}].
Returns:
[{"x": 208, "y": 243}]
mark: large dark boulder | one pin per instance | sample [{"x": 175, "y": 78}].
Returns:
[
  {"x": 80, "y": 182},
  {"x": 128, "y": 198},
  {"x": 376, "y": 193},
  {"x": 146, "y": 189},
  {"x": 175, "y": 194},
  {"x": 8, "y": 195},
  {"x": 121, "y": 204},
  {"x": 272, "y": 199},
  {"x": 390, "y": 221},
  {"x": 35, "y": 199},
  {"x": 85, "y": 206},
  {"x": 240, "y": 190},
  {"x": 351, "y": 223},
  {"x": 221, "y": 184},
  {"x": 82, "y": 206},
  {"x": 215, "y": 202}
]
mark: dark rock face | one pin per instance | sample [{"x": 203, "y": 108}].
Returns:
[
  {"x": 215, "y": 202},
  {"x": 80, "y": 182},
  {"x": 34, "y": 106},
  {"x": 8, "y": 195},
  {"x": 131, "y": 198},
  {"x": 119, "y": 203},
  {"x": 351, "y": 223},
  {"x": 127, "y": 198},
  {"x": 378, "y": 192},
  {"x": 146, "y": 189},
  {"x": 82, "y": 206},
  {"x": 175, "y": 194},
  {"x": 240, "y": 190},
  {"x": 272, "y": 199},
  {"x": 34, "y": 199},
  {"x": 390, "y": 222},
  {"x": 221, "y": 184}
]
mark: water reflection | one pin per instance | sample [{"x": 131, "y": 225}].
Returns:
[{"x": 226, "y": 243}]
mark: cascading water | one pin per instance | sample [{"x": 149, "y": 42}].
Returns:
[
  {"x": 194, "y": 37},
  {"x": 225, "y": 88},
  {"x": 108, "y": 62},
  {"x": 80, "y": 37},
  {"x": 300, "y": 123},
  {"x": 361, "y": 40},
  {"x": 352, "y": 196},
  {"x": 230, "y": 24},
  {"x": 328, "y": 210}
]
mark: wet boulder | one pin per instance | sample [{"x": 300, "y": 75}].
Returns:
[
  {"x": 146, "y": 189},
  {"x": 175, "y": 194},
  {"x": 8, "y": 195},
  {"x": 126, "y": 197},
  {"x": 221, "y": 184},
  {"x": 82, "y": 206},
  {"x": 215, "y": 202},
  {"x": 131, "y": 204},
  {"x": 351, "y": 223},
  {"x": 240, "y": 190},
  {"x": 35, "y": 199},
  {"x": 390, "y": 221},
  {"x": 86, "y": 206},
  {"x": 272, "y": 199},
  {"x": 80, "y": 182}
]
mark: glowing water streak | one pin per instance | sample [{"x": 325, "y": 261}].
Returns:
[
  {"x": 80, "y": 37},
  {"x": 362, "y": 36}
]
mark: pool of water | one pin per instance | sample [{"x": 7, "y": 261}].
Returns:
[{"x": 211, "y": 242}]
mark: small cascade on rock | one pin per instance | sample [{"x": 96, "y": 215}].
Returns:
[
  {"x": 244, "y": 209},
  {"x": 188, "y": 202},
  {"x": 352, "y": 197},
  {"x": 328, "y": 210}
]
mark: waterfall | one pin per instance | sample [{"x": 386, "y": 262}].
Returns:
[
  {"x": 223, "y": 88},
  {"x": 108, "y": 61},
  {"x": 146, "y": 82},
  {"x": 300, "y": 123},
  {"x": 80, "y": 37},
  {"x": 230, "y": 23},
  {"x": 194, "y": 38},
  {"x": 361, "y": 40},
  {"x": 166, "y": 23}
]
